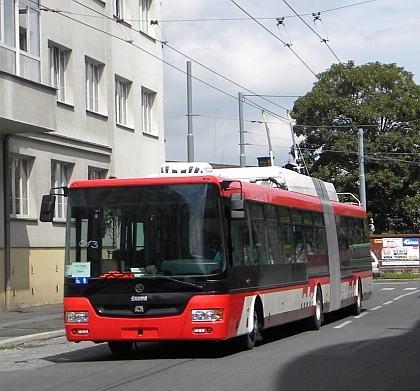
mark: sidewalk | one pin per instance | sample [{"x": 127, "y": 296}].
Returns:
[{"x": 27, "y": 324}]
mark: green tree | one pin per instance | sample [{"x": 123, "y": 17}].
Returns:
[{"x": 384, "y": 101}]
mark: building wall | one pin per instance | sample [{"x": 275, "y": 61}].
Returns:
[
  {"x": 37, "y": 276},
  {"x": 66, "y": 131}
]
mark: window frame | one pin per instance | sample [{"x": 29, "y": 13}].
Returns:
[
  {"x": 20, "y": 39},
  {"x": 93, "y": 72},
  {"x": 122, "y": 95},
  {"x": 57, "y": 182},
  {"x": 19, "y": 203},
  {"x": 119, "y": 9},
  {"x": 147, "y": 104},
  {"x": 58, "y": 60},
  {"x": 96, "y": 173},
  {"x": 145, "y": 12}
]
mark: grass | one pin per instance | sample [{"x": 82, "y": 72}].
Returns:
[{"x": 399, "y": 276}]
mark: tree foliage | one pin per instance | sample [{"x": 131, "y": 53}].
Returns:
[{"x": 384, "y": 101}]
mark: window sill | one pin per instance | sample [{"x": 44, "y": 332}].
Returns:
[
  {"x": 22, "y": 218},
  {"x": 148, "y": 36},
  {"x": 151, "y": 135},
  {"x": 60, "y": 221},
  {"x": 65, "y": 105},
  {"x": 97, "y": 115},
  {"x": 125, "y": 127}
]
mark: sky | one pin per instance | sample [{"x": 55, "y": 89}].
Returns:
[{"x": 239, "y": 46}]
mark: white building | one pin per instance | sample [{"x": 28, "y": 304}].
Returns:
[{"x": 81, "y": 96}]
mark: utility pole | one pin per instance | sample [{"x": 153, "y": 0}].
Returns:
[
  {"x": 242, "y": 157},
  {"x": 362, "y": 186},
  {"x": 295, "y": 151},
  {"x": 190, "y": 136}
]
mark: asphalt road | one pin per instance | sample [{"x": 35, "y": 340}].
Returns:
[{"x": 377, "y": 350}]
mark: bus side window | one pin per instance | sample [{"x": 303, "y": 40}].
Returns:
[
  {"x": 240, "y": 240},
  {"x": 287, "y": 239},
  {"x": 274, "y": 248}
]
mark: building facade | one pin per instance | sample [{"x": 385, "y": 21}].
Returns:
[{"x": 81, "y": 97}]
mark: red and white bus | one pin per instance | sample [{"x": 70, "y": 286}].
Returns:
[{"x": 200, "y": 256}]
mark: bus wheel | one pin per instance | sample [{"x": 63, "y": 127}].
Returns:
[
  {"x": 120, "y": 347},
  {"x": 357, "y": 306},
  {"x": 315, "y": 321},
  {"x": 247, "y": 341}
]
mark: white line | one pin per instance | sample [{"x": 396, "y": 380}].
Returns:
[
  {"x": 387, "y": 289},
  {"x": 343, "y": 324},
  {"x": 362, "y": 314},
  {"x": 410, "y": 289},
  {"x": 388, "y": 302},
  {"x": 407, "y": 294},
  {"x": 376, "y": 308}
]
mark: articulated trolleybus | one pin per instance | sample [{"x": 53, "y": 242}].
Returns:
[{"x": 201, "y": 254}]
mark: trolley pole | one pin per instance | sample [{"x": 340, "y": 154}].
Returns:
[
  {"x": 242, "y": 157},
  {"x": 362, "y": 188}
]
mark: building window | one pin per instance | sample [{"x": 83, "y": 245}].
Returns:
[
  {"x": 119, "y": 9},
  {"x": 20, "y": 186},
  {"x": 7, "y": 22},
  {"x": 147, "y": 99},
  {"x": 122, "y": 89},
  {"x": 59, "y": 178},
  {"x": 145, "y": 6},
  {"x": 96, "y": 173},
  {"x": 92, "y": 86},
  {"x": 20, "y": 19},
  {"x": 58, "y": 63}
]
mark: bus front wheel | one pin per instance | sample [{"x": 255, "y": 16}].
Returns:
[{"x": 247, "y": 341}]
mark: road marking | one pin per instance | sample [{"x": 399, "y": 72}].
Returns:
[
  {"x": 410, "y": 289},
  {"x": 407, "y": 294},
  {"x": 362, "y": 314},
  {"x": 343, "y": 324},
  {"x": 376, "y": 308},
  {"x": 388, "y": 302},
  {"x": 387, "y": 289}
]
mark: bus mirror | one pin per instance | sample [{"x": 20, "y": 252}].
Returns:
[
  {"x": 237, "y": 209},
  {"x": 47, "y": 208}
]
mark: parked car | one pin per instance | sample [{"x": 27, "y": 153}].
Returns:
[{"x": 375, "y": 265}]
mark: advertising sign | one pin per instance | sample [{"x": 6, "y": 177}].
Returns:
[{"x": 400, "y": 251}]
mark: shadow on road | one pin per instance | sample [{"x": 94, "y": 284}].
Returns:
[
  {"x": 386, "y": 364},
  {"x": 184, "y": 349}
]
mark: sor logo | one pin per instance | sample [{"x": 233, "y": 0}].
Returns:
[{"x": 139, "y": 288}]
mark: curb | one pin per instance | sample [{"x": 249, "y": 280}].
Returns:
[{"x": 15, "y": 341}]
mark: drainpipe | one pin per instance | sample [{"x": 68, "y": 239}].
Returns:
[{"x": 6, "y": 187}]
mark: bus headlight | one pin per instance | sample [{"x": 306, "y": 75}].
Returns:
[
  {"x": 77, "y": 317},
  {"x": 207, "y": 315}
]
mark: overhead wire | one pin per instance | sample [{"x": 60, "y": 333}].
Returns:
[
  {"x": 322, "y": 39},
  {"x": 275, "y": 36}
]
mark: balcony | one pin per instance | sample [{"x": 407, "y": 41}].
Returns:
[{"x": 26, "y": 106}]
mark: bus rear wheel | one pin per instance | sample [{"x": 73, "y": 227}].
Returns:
[
  {"x": 315, "y": 320},
  {"x": 357, "y": 306},
  {"x": 120, "y": 347}
]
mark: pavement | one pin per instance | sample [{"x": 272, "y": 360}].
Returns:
[{"x": 23, "y": 325}]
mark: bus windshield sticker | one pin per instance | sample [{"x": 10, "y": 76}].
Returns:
[{"x": 80, "y": 269}]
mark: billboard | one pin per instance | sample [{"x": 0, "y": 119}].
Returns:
[{"x": 400, "y": 251}]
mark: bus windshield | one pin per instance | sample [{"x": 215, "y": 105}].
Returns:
[{"x": 144, "y": 230}]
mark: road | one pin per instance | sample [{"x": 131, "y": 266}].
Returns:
[{"x": 377, "y": 350}]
